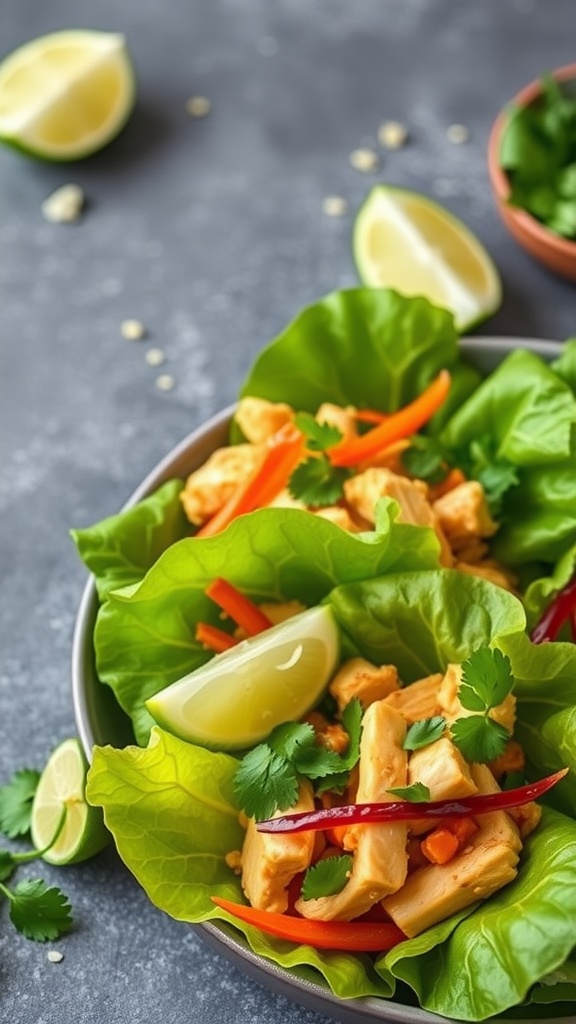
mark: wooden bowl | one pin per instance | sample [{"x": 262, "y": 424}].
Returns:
[{"x": 554, "y": 252}]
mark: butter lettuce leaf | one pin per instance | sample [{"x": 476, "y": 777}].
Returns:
[{"x": 144, "y": 636}]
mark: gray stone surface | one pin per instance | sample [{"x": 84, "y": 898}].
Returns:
[{"x": 212, "y": 233}]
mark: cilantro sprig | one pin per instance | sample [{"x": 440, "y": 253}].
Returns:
[
  {"x": 316, "y": 481},
  {"x": 268, "y": 776},
  {"x": 327, "y": 877},
  {"x": 486, "y": 682},
  {"x": 426, "y": 458},
  {"x": 417, "y": 793},
  {"x": 37, "y": 911},
  {"x": 424, "y": 732}
]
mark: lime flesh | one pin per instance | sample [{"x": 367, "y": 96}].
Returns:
[{"x": 236, "y": 699}]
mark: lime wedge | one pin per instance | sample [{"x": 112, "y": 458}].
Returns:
[
  {"x": 67, "y": 94},
  {"x": 405, "y": 241},
  {"x": 236, "y": 699},
  {"x": 61, "y": 788}
]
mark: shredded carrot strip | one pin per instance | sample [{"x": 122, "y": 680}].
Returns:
[
  {"x": 398, "y": 425},
  {"x": 370, "y": 416},
  {"x": 355, "y": 936},
  {"x": 439, "y": 846},
  {"x": 462, "y": 829},
  {"x": 239, "y": 607},
  {"x": 284, "y": 451},
  {"x": 213, "y": 638}
]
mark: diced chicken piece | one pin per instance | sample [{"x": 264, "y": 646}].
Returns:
[
  {"x": 380, "y": 859},
  {"x": 270, "y": 861},
  {"x": 527, "y": 818},
  {"x": 339, "y": 516},
  {"x": 279, "y": 611},
  {"x": 360, "y": 678},
  {"x": 259, "y": 419},
  {"x": 209, "y": 487},
  {"x": 504, "y": 713},
  {"x": 363, "y": 491},
  {"x": 487, "y": 863},
  {"x": 512, "y": 760},
  {"x": 441, "y": 767},
  {"x": 331, "y": 735},
  {"x": 464, "y": 514},
  {"x": 418, "y": 700},
  {"x": 285, "y": 500},
  {"x": 473, "y": 552},
  {"x": 491, "y": 571},
  {"x": 343, "y": 418}
]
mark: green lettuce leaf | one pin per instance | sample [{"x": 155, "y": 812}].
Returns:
[
  {"x": 493, "y": 957},
  {"x": 539, "y": 515},
  {"x": 120, "y": 549},
  {"x": 540, "y": 591},
  {"x": 144, "y": 636},
  {"x": 171, "y": 810},
  {"x": 565, "y": 365}
]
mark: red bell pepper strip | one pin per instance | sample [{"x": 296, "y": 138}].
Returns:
[
  {"x": 560, "y": 610},
  {"x": 405, "y": 810},
  {"x": 354, "y": 936},
  {"x": 239, "y": 607},
  {"x": 396, "y": 427},
  {"x": 283, "y": 453},
  {"x": 213, "y": 638}
]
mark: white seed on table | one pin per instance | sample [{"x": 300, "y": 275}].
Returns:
[
  {"x": 165, "y": 382},
  {"x": 64, "y": 205},
  {"x": 132, "y": 330},
  {"x": 155, "y": 357},
  {"x": 364, "y": 160},
  {"x": 334, "y": 206},
  {"x": 457, "y": 134},
  {"x": 198, "y": 106},
  {"x": 54, "y": 956},
  {"x": 392, "y": 135}
]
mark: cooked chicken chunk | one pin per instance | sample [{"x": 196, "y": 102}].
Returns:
[
  {"x": 363, "y": 491},
  {"x": 360, "y": 678},
  {"x": 380, "y": 859},
  {"x": 339, "y": 416},
  {"x": 339, "y": 516},
  {"x": 259, "y": 419},
  {"x": 504, "y": 713},
  {"x": 441, "y": 767},
  {"x": 286, "y": 500},
  {"x": 489, "y": 570},
  {"x": 270, "y": 861},
  {"x": 209, "y": 487},
  {"x": 433, "y": 893},
  {"x": 418, "y": 700},
  {"x": 464, "y": 514}
]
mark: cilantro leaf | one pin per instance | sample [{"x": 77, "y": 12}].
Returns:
[
  {"x": 16, "y": 802},
  {"x": 317, "y": 482},
  {"x": 7, "y": 865},
  {"x": 39, "y": 912},
  {"x": 265, "y": 782},
  {"x": 319, "y": 436},
  {"x": 425, "y": 459},
  {"x": 326, "y": 877},
  {"x": 286, "y": 739},
  {"x": 480, "y": 739},
  {"x": 425, "y": 731},
  {"x": 417, "y": 793},
  {"x": 496, "y": 473},
  {"x": 352, "y": 721},
  {"x": 486, "y": 680}
]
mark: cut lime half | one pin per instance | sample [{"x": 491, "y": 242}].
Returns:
[
  {"x": 406, "y": 241},
  {"x": 61, "y": 792},
  {"x": 66, "y": 95},
  {"x": 236, "y": 699}
]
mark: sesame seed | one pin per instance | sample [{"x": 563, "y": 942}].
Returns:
[
  {"x": 165, "y": 382},
  {"x": 392, "y": 135},
  {"x": 198, "y": 106},
  {"x": 457, "y": 134},
  {"x": 132, "y": 330},
  {"x": 155, "y": 357},
  {"x": 364, "y": 160},
  {"x": 334, "y": 206},
  {"x": 54, "y": 956},
  {"x": 64, "y": 205}
]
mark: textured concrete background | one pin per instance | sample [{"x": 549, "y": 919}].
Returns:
[{"x": 212, "y": 233}]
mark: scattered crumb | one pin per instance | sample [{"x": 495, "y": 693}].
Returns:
[
  {"x": 334, "y": 206},
  {"x": 364, "y": 160},
  {"x": 64, "y": 205},
  {"x": 132, "y": 330},
  {"x": 392, "y": 135},
  {"x": 155, "y": 357},
  {"x": 165, "y": 382},
  {"x": 198, "y": 106},
  {"x": 54, "y": 956},
  {"x": 457, "y": 134}
]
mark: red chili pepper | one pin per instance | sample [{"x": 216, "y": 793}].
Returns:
[
  {"x": 560, "y": 610},
  {"x": 354, "y": 936},
  {"x": 405, "y": 810}
]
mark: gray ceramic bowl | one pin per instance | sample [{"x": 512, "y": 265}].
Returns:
[{"x": 100, "y": 721}]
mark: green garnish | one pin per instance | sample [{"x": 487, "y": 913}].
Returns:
[
  {"x": 486, "y": 682},
  {"x": 268, "y": 776},
  {"x": 424, "y": 732},
  {"x": 38, "y": 912},
  {"x": 496, "y": 473},
  {"x": 16, "y": 802},
  {"x": 316, "y": 481},
  {"x": 426, "y": 459},
  {"x": 319, "y": 436},
  {"x": 538, "y": 152},
  {"x": 327, "y": 877},
  {"x": 417, "y": 793}
]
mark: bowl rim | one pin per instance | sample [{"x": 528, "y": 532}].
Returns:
[
  {"x": 500, "y": 182},
  {"x": 312, "y": 995}
]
